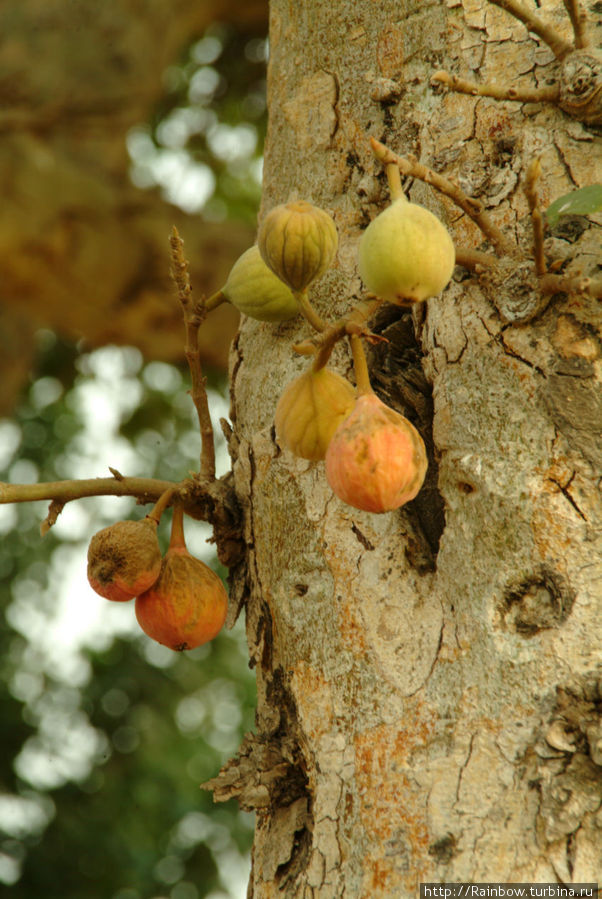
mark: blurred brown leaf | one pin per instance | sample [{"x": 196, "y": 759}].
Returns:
[{"x": 83, "y": 251}]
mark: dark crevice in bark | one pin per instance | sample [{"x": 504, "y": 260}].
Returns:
[
  {"x": 297, "y": 863},
  {"x": 361, "y": 538},
  {"x": 294, "y": 789},
  {"x": 399, "y": 380},
  {"x": 564, "y": 489},
  {"x": 444, "y": 849}
]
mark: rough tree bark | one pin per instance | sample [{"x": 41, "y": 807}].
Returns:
[{"x": 429, "y": 681}]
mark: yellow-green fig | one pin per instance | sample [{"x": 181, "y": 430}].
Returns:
[
  {"x": 310, "y": 410},
  {"x": 298, "y": 241},
  {"x": 256, "y": 291},
  {"x": 406, "y": 254}
]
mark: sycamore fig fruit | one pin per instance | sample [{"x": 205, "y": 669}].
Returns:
[
  {"x": 256, "y": 291},
  {"x": 124, "y": 559},
  {"x": 298, "y": 242},
  {"x": 406, "y": 254},
  {"x": 310, "y": 410},
  {"x": 187, "y": 605},
  {"x": 376, "y": 460}
]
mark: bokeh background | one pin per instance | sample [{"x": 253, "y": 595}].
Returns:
[{"x": 117, "y": 120}]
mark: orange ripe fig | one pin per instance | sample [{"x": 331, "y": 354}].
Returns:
[
  {"x": 124, "y": 559},
  {"x": 187, "y": 605},
  {"x": 376, "y": 460}
]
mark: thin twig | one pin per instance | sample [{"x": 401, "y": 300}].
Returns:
[
  {"x": 360, "y": 365},
  {"x": 354, "y": 322},
  {"x": 549, "y": 35},
  {"x": 550, "y": 283},
  {"x": 473, "y": 208},
  {"x": 162, "y": 503},
  {"x": 531, "y": 178},
  {"x": 194, "y": 315},
  {"x": 475, "y": 260},
  {"x": 145, "y": 489},
  {"x": 579, "y": 22},
  {"x": 521, "y": 94}
]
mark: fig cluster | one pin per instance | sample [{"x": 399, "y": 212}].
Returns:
[
  {"x": 405, "y": 255},
  {"x": 375, "y": 458},
  {"x": 180, "y": 601}
]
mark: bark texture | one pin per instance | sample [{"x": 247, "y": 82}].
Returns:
[
  {"x": 82, "y": 251},
  {"x": 429, "y": 680}
]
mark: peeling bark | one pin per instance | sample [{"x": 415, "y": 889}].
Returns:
[{"x": 416, "y": 664}]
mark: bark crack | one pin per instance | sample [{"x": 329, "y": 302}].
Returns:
[
  {"x": 463, "y": 768},
  {"x": 335, "y": 102},
  {"x": 361, "y": 538},
  {"x": 564, "y": 489},
  {"x": 435, "y": 658},
  {"x": 508, "y": 351}
]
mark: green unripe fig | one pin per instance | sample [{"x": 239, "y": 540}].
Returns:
[
  {"x": 310, "y": 410},
  {"x": 256, "y": 291},
  {"x": 298, "y": 241},
  {"x": 406, "y": 254}
]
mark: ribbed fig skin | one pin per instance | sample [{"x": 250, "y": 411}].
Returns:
[
  {"x": 298, "y": 241},
  {"x": 124, "y": 559},
  {"x": 406, "y": 254},
  {"x": 310, "y": 410},
  {"x": 376, "y": 460},
  {"x": 187, "y": 605},
  {"x": 257, "y": 292}
]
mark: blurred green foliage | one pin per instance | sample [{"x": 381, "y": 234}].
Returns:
[
  {"x": 204, "y": 143},
  {"x": 106, "y": 735}
]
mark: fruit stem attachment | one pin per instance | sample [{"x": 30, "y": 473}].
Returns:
[
  {"x": 394, "y": 181},
  {"x": 162, "y": 503},
  {"x": 176, "y": 539},
  {"x": 322, "y": 356},
  {"x": 360, "y": 365},
  {"x": 472, "y": 207},
  {"x": 308, "y": 310},
  {"x": 194, "y": 315},
  {"x": 215, "y": 300}
]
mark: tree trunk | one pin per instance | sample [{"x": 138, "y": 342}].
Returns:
[{"x": 429, "y": 681}]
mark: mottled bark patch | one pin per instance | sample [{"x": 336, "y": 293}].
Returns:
[{"x": 540, "y": 601}]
